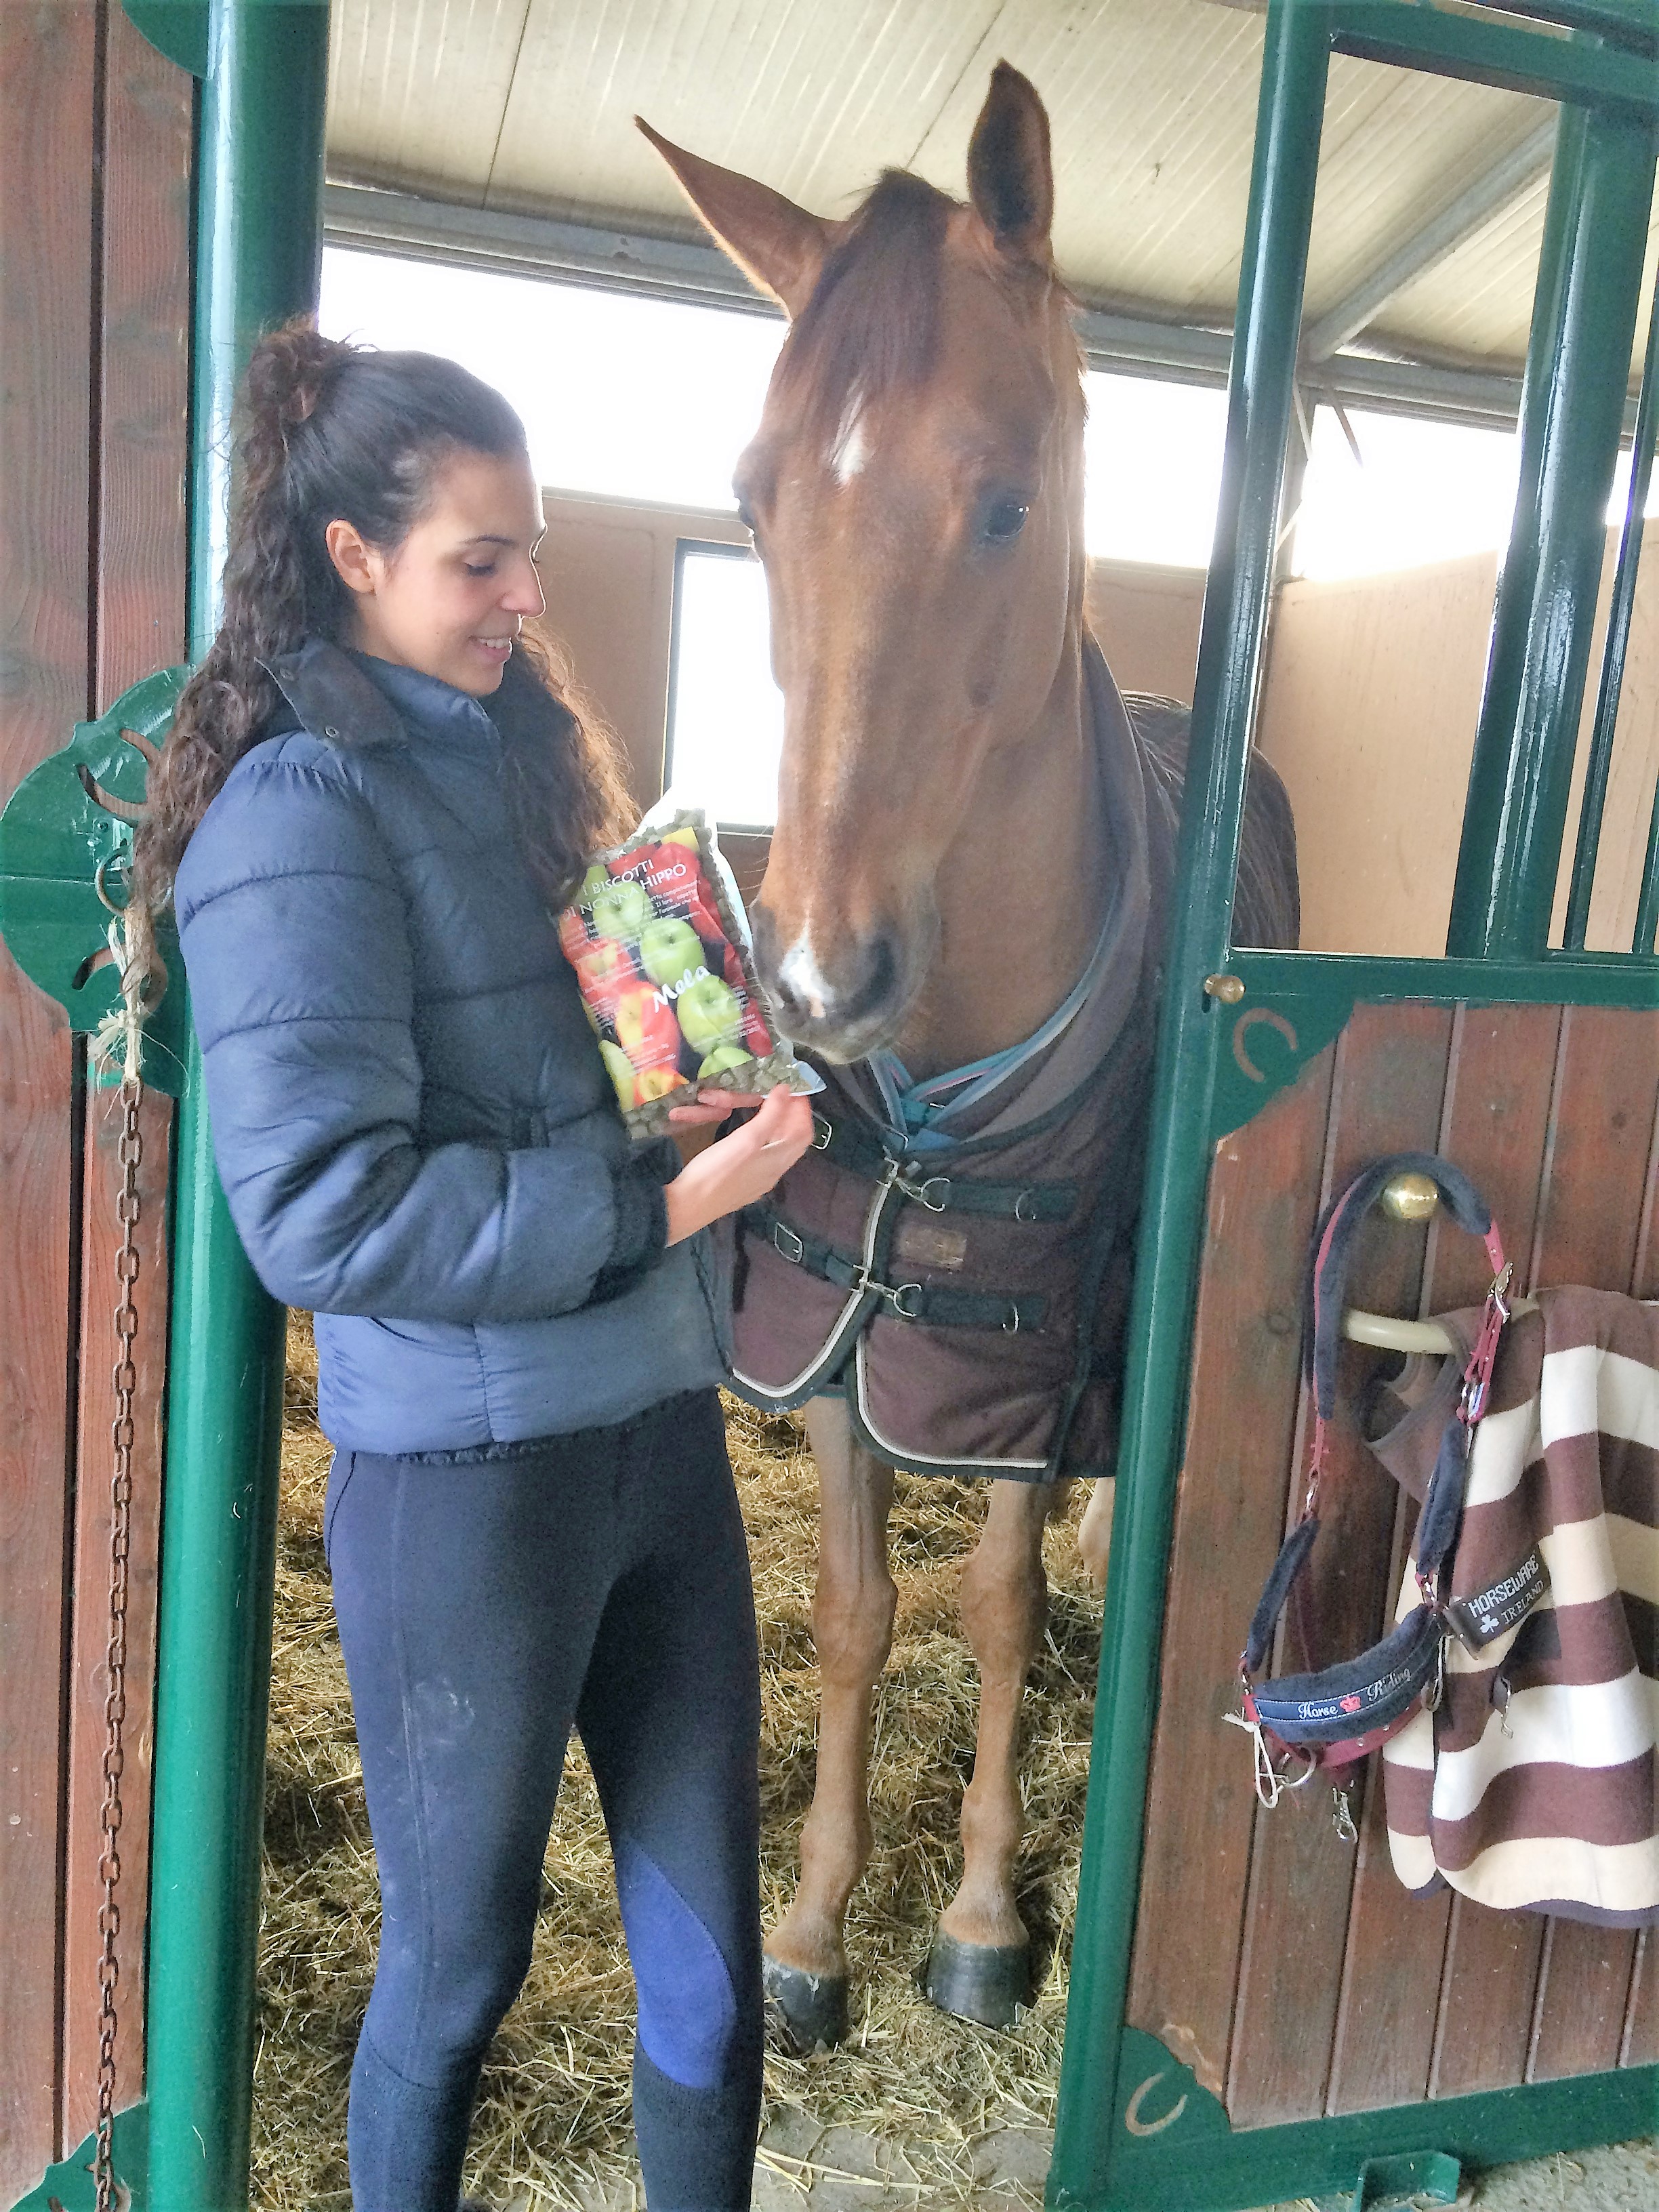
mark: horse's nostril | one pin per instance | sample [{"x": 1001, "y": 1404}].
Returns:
[
  {"x": 875, "y": 988},
  {"x": 807, "y": 999}
]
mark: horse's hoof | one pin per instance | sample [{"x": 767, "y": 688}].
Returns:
[
  {"x": 978, "y": 1981},
  {"x": 804, "y": 2012}
]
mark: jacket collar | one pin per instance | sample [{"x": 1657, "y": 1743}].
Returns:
[{"x": 351, "y": 700}]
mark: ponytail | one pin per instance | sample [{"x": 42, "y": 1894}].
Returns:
[{"x": 331, "y": 430}]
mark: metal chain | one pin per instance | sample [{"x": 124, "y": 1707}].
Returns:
[{"x": 130, "y": 1154}]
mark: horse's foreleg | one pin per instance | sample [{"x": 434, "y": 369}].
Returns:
[
  {"x": 853, "y": 1628},
  {"x": 980, "y": 1965}
]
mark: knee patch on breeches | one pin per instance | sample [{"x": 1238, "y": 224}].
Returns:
[{"x": 688, "y": 2007}]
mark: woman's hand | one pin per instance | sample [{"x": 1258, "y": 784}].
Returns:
[
  {"x": 741, "y": 1168},
  {"x": 714, "y": 1106}
]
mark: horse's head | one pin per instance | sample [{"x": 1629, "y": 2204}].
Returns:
[{"x": 916, "y": 493}]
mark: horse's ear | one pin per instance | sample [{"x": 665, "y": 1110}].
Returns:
[
  {"x": 772, "y": 240},
  {"x": 1010, "y": 178}
]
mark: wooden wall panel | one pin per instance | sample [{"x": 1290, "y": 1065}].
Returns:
[
  {"x": 48, "y": 64},
  {"x": 1498, "y": 1099},
  {"x": 1294, "y": 1978},
  {"x": 1264, "y": 1189},
  {"x": 83, "y": 1886},
  {"x": 139, "y": 615},
  {"x": 1390, "y": 1081},
  {"x": 1588, "y": 1231},
  {"x": 1641, "y": 2047}
]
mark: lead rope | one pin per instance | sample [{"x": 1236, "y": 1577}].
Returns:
[{"x": 119, "y": 1037}]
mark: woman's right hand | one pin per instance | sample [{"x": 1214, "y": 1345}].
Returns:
[{"x": 740, "y": 1168}]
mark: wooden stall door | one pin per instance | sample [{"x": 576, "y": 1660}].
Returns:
[
  {"x": 94, "y": 232},
  {"x": 1291, "y": 1972}
]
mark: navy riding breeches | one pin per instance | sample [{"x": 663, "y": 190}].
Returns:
[{"x": 600, "y": 1580}]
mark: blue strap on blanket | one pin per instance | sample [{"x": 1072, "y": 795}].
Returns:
[{"x": 922, "y": 1111}]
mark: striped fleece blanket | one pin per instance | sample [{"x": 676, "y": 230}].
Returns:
[{"x": 1534, "y": 1784}]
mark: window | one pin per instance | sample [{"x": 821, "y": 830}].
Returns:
[
  {"x": 725, "y": 713},
  {"x": 1152, "y": 455},
  {"x": 625, "y": 397}
]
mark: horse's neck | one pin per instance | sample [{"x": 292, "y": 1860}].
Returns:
[{"x": 1019, "y": 898}]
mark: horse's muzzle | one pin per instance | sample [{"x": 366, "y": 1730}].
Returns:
[{"x": 842, "y": 1005}]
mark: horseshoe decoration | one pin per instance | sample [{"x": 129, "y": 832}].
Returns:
[
  {"x": 1132, "y": 2118},
  {"x": 1257, "y": 1016}
]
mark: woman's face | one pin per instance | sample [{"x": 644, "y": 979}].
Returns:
[{"x": 449, "y": 602}]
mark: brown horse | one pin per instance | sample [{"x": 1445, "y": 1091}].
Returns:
[{"x": 936, "y": 883}]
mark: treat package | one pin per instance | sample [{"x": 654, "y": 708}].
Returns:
[{"x": 660, "y": 947}]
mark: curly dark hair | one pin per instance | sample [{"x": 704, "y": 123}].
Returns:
[{"x": 329, "y": 430}]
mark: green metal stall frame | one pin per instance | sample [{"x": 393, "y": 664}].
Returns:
[
  {"x": 1135, "y": 2128},
  {"x": 262, "y": 68}
]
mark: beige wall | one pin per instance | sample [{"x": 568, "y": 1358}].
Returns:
[
  {"x": 1146, "y": 620},
  {"x": 1368, "y": 710}
]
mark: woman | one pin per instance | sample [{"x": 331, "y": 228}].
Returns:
[{"x": 372, "y": 804}]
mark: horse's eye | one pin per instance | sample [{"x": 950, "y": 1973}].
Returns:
[{"x": 1004, "y": 521}]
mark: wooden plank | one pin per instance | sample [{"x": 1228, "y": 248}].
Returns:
[
  {"x": 1600, "y": 1147},
  {"x": 1491, "y": 1984},
  {"x": 1590, "y": 1231},
  {"x": 47, "y": 64},
  {"x": 1496, "y": 1128},
  {"x": 140, "y": 626},
  {"x": 1583, "y": 1995},
  {"x": 1641, "y": 2041},
  {"x": 83, "y": 1886},
  {"x": 1230, "y": 1519},
  {"x": 144, "y": 449},
  {"x": 1644, "y": 1280},
  {"x": 1390, "y": 1083}
]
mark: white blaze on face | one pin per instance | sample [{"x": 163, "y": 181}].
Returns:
[
  {"x": 851, "y": 449},
  {"x": 800, "y": 976}
]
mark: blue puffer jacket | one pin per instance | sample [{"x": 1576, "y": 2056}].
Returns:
[{"x": 416, "y": 1133}]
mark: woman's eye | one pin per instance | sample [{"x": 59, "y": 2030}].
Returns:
[
  {"x": 1003, "y": 519},
  {"x": 487, "y": 569}
]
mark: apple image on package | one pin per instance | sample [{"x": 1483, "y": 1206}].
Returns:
[
  {"x": 622, "y": 908},
  {"x": 604, "y": 965},
  {"x": 710, "y": 1013},
  {"x": 621, "y": 1071},
  {"x": 670, "y": 949},
  {"x": 645, "y": 1028}
]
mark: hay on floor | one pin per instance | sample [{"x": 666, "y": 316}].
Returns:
[{"x": 554, "y": 2112}]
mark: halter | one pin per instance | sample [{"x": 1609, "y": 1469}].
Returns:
[{"x": 1332, "y": 1717}]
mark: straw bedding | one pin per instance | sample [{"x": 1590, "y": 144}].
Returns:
[{"x": 553, "y": 2117}]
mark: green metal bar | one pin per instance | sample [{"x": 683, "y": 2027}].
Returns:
[
  {"x": 1635, "y": 21},
  {"x": 1261, "y": 382},
  {"x": 1406, "y": 36},
  {"x": 1588, "y": 979},
  {"x": 1612, "y": 652},
  {"x": 259, "y": 176},
  {"x": 1571, "y": 412},
  {"x": 1647, "y": 911}
]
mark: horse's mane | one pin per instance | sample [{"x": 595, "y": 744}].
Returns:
[{"x": 872, "y": 323}]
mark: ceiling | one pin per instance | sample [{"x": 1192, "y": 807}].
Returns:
[{"x": 524, "y": 108}]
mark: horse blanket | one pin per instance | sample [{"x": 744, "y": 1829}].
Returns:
[
  {"x": 954, "y": 1256},
  {"x": 1534, "y": 1784}
]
